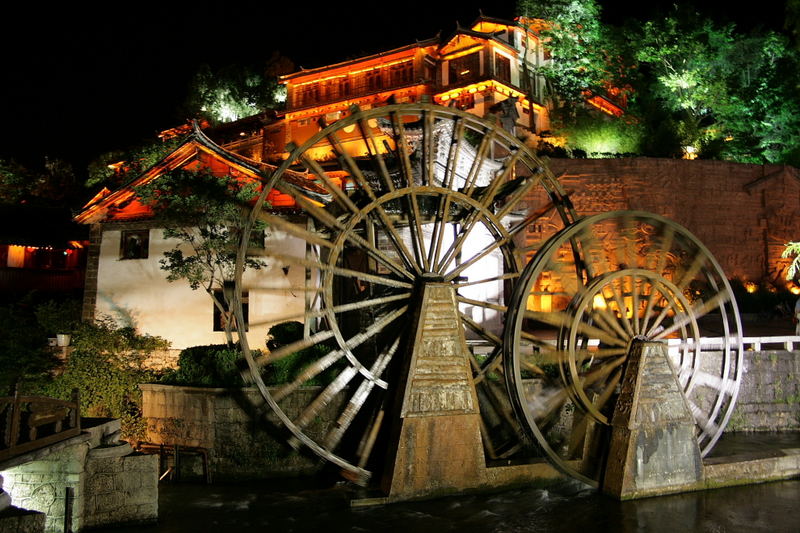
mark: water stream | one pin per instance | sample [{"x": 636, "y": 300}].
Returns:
[{"x": 300, "y": 505}]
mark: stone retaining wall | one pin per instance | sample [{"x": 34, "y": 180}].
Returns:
[
  {"x": 223, "y": 421},
  {"x": 108, "y": 484},
  {"x": 162, "y": 359},
  {"x": 226, "y": 424},
  {"x": 121, "y": 490},
  {"x": 769, "y": 397}
]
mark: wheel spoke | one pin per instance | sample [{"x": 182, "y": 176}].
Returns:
[
  {"x": 559, "y": 319},
  {"x": 358, "y": 398},
  {"x": 695, "y": 312},
  {"x": 331, "y": 222}
]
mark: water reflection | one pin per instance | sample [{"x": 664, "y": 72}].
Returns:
[
  {"x": 305, "y": 505},
  {"x": 297, "y": 506}
]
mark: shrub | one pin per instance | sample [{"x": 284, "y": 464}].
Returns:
[
  {"x": 59, "y": 316},
  {"x": 106, "y": 366},
  {"x": 24, "y": 357},
  {"x": 206, "y": 366},
  {"x": 286, "y": 369}
]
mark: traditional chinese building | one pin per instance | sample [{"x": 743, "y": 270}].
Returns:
[{"x": 487, "y": 69}]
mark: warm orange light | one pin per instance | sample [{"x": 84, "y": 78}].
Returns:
[
  {"x": 750, "y": 287},
  {"x": 795, "y": 290},
  {"x": 599, "y": 303},
  {"x": 482, "y": 86},
  {"x": 546, "y": 303},
  {"x": 373, "y": 65},
  {"x": 605, "y": 106},
  {"x": 462, "y": 53},
  {"x": 16, "y": 256}
]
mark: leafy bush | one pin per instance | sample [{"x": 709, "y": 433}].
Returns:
[
  {"x": 106, "y": 366},
  {"x": 763, "y": 299},
  {"x": 286, "y": 369},
  {"x": 59, "y": 316},
  {"x": 206, "y": 366},
  {"x": 24, "y": 357},
  {"x": 600, "y": 136}
]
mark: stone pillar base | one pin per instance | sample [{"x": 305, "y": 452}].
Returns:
[{"x": 653, "y": 448}]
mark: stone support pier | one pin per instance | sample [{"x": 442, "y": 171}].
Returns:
[{"x": 653, "y": 445}]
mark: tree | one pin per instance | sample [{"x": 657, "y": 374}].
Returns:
[
  {"x": 53, "y": 184},
  {"x": 114, "y": 168},
  {"x": 730, "y": 95},
  {"x": 204, "y": 213},
  {"x": 573, "y": 35},
  {"x": 23, "y": 352},
  {"x": 237, "y": 91}
]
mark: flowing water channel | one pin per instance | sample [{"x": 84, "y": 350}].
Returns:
[{"x": 298, "y": 505}]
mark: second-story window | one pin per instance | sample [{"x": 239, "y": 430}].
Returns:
[
  {"x": 374, "y": 80},
  {"x": 402, "y": 73},
  {"x": 134, "y": 244},
  {"x": 464, "y": 69},
  {"x": 502, "y": 68}
]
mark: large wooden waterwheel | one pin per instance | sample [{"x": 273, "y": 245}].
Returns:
[{"x": 420, "y": 194}]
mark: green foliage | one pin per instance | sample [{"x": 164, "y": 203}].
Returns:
[
  {"x": 106, "y": 366},
  {"x": 600, "y": 136},
  {"x": 54, "y": 184},
  {"x": 237, "y": 91},
  {"x": 24, "y": 357},
  {"x": 58, "y": 316},
  {"x": 206, "y": 366},
  {"x": 288, "y": 368},
  {"x": 135, "y": 161},
  {"x": 581, "y": 50},
  {"x": 206, "y": 215},
  {"x": 731, "y": 95},
  {"x": 792, "y": 249}
]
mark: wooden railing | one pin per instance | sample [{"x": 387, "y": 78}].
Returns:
[{"x": 28, "y": 423}]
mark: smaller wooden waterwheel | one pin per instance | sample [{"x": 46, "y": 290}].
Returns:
[
  {"x": 418, "y": 194},
  {"x": 592, "y": 290}
]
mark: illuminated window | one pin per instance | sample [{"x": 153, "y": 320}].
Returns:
[
  {"x": 134, "y": 244},
  {"x": 219, "y": 319},
  {"x": 464, "y": 69}
]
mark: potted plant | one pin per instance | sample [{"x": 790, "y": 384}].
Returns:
[{"x": 59, "y": 319}]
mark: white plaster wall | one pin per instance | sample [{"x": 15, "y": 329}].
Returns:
[{"x": 135, "y": 292}]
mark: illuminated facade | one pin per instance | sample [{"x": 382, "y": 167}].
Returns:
[{"x": 488, "y": 69}]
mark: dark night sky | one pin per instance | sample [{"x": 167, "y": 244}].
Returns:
[{"x": 80, "y": 81}]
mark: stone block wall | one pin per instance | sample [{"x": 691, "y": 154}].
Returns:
[
  {"x": 42, "y": 486},
  {"x": 162, "y": 359},
  {"x": 769, "y": 397},
  {"x": 743, "y": 213},
  {"x": 121, "y": 490},
  {"x": 109, "y": 484},
  {"x": 15, "y": 520},
  {"x": 228, "y": 424}
]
